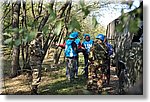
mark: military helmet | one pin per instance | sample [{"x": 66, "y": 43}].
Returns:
[
  {"x": 72, "y": 35},
  {"x": 100, "y": 36},
  {"x": 86, "y": 35},
  {"x": 75, "y": 34}
]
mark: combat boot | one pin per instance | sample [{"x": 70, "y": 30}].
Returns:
[{"x": 34, "y": 90}]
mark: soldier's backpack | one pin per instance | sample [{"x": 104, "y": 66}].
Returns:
[{"x": 70, "y": 48}]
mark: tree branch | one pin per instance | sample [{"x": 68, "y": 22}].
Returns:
[
  {"x": 24, "y": 13},
  {"x": 40, "y": 6},
  {"x": 43, "y": 21},
  {"x": 32, "y": 8},
  {"x": 62, "y": 9}
]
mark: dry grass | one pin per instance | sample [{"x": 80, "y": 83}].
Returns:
[{"x": 53, "y": 82}]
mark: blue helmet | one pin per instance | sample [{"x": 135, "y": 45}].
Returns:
[
  {"x": 72, "y": 35},
  {"x": 86, "y": 35},
  {"x": 75, "y": 34},
  {"x": 100, "y": 36}
]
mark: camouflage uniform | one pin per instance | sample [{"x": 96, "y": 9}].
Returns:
[
  {"x": 98, "y": 66},
  {"x": 35, "y": 62}
]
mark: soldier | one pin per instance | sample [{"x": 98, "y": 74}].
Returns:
[
  {"x": 98, "y": 65},
  {"x": 110, "y": 52},
  {"x": 36, "y": 53}
]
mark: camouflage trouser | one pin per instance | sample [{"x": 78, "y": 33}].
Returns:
[
  {"x": 71, "y": 68},
  {"x": 36, "y": 67},
  {"x": 97, "y": 75}
]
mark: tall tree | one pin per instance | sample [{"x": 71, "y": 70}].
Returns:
[{"x": 16, "y": 49}]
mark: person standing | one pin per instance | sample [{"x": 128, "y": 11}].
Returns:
[
  {"x": 97, "y": 59},
  {"x": 71, "y": 57},
  {"x": 109, "y": 46},
  {"x": 78, "y": 43},
  {"x": 110, "y": 52},
  {"x": 86, "y": 44},
  {"x": 79, "y": 47},
  {"x": 35, "y": 62}
]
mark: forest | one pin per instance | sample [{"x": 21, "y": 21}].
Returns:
[{"x": 22, "y": 19}]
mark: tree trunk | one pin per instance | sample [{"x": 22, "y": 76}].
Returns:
[
  {"x": 24, "y": 47},
  {"x": 57, "y": 52},
  {"x": 47, "y": 44},
  {"x": 64, "y": 32},
  {"x": 43, "y": 22},
  {"x": 33, "y": 9},
  {"x": 16, "y": 49}
]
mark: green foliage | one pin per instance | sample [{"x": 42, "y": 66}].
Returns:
[
  {"x": 70, "y": 27},
  {"x": 94, "y": 22},
  {"x": 84, "y": 8},
  {"x": 30, "y": 36},
  {"x": 46, "y": 29},
  {"x": 54, "y": 25},
  {"x": 86, "y": 11},
  {"x": 12, "y": 30},
  {"x": 7, "y": 34},
  {"x": 133, "y": 25},
  {"x": 82, "y": 3},
  {"x": 119, "y": 28},
  {"x": 52, "y": 16},
  {"x": 17, "y": 42},
  {"x": 21, "y": 31},
  {"x": 25, "y": 37},
  {"x": 74, "y": 24},
  {"x": 58, "y": 28},
  {"x": 87, "y": 26},
  {"x": 8, "y": 41},
  {"x": 130, "y": 20}
]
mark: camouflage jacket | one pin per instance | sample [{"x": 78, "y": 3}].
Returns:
[
  {"x": 36, "y": 48},
  {"x": 98, "y": 52}
]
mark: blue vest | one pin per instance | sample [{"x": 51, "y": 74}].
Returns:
[
  {"x": 110, "y": 49},
  {"x": 77, "y": 41},
  {"x": 87, "y": 45},
  {"x": 69, "y": 48}
]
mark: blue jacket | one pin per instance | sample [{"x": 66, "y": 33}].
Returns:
[
  {"x": 70, "y": 48},
  {"x": 87, "y": 45},
  {"x": 110, "y": 49},
  {"x": 77, "y": 41}
]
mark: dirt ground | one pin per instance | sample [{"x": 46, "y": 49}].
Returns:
[{"x": 54, "y": 82}]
